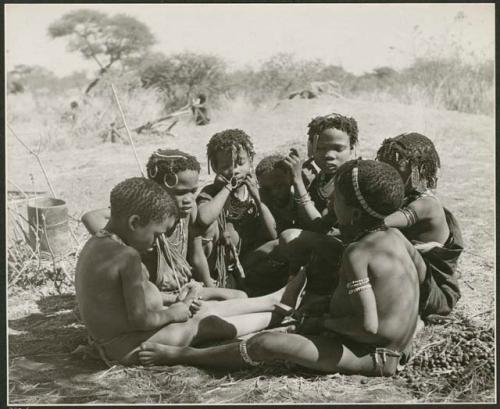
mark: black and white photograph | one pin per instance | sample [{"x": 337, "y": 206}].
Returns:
[{"x": 250, "y": 203}]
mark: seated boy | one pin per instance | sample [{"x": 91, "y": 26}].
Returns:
[
  {"x": 267, "y": 269},
  {"x": 178, "y": 173},
  {"x": 120, "y": 306},
  {"x": 334, "y": 138},
  {"x": 373, "y": 312},
  {"x": 230, "y": 209},
  {"x": 424, "y": 220}
]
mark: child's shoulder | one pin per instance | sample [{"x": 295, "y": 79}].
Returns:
[
  {"x": 208, "y": 192},
  {"x": 114, "y": 251}
]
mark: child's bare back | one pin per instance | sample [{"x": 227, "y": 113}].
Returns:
[
  {"x": 393, "y": 267},
  {"x": 99, "y": 289}
]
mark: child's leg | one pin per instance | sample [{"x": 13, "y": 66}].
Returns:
[
  {"x": 261, "y": 253},
  {"x": 201, "y": 329},
  {"x": 317, "y": 353},
  {"x": 287, "y": 295},
  {"x": 221, "y": 293}
]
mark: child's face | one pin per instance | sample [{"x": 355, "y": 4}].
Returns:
[
  {"x": 142, "y": 238},
  {"x": 275, "y": 186},
  {"x": 242, "y": 164},
  {"x": 184, "y": 191},
  {"x": 343, "y": 211},
  {"x": 333, "y": 150}
]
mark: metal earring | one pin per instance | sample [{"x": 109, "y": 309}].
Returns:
[
  {"x": 168, "y": 184},
  {"x": 153, "y": 172}
]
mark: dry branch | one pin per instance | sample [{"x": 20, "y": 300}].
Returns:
[{"x": 37, "y": 158}]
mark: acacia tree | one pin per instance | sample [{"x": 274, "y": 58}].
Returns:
[{"x": 106, "y": 40}]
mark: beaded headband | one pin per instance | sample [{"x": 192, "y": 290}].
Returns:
[{"x": 361, "y": 199}]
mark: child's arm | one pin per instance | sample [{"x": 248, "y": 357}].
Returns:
[
  {"x": 266, "y": 216},
  {"x": 196, "y": 257},
  {"x": 361, "y": 297},
  {"x": 134, "y": 294},
  {"x": 209, "y": 209},
  {"x": 96, "y": 220},
  {"x": 424, "y": 208},
  {"x": 306, "y": 209}
]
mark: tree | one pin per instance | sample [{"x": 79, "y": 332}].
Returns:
[
  {"x": 103, "y": 39},
  {"x": 179, "y": 76}
]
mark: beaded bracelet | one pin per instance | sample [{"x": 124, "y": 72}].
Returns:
[
  {"x": 410, "y": 215},
  {"x": 244, "y": 354},
  {"x": 357, "y": 283},
  {"x": 358, "y": 289}
]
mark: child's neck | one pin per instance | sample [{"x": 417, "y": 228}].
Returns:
[{"x": 116, "y": 228}]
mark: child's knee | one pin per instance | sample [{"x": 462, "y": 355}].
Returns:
[
  {"x": 264, "y": 346},
  {"x": 288, "y": 236}
]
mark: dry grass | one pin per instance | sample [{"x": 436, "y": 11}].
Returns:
[{"x": 83, "y": 172}]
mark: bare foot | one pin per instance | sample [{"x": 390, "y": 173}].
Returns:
[
  {"x": 291, "y": 294},
  {"x": 152, "y": 353}
]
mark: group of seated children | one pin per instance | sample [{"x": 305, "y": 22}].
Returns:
[{"x": 366, "y": 241}]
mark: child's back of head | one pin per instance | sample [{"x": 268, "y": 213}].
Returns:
[{"x": 415, "y": 157}]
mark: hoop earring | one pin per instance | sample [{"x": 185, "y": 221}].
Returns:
[
  {"x": 168, "y": 184},
  {"x": 151, "y": 174}
]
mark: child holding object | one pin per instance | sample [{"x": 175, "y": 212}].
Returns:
[
  {"x": 374, "y": 309},
  {"x": 167, "y": 262},
  {"x": 122, "y": 308},
  {"x": 423, "y": 219},
  {"x": 230, "y": 210}
]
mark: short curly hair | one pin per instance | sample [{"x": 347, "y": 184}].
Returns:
[
  {"x": 170, "y": 162},
  {"x": 337, "y": 121},
  {"x": 380, "y": 184},
  {"x": 270, "y": 163},
  {"x": 142, "y": 197},
  {"x": 225, "y": 140},
  {"x": 415, "y": 148}
]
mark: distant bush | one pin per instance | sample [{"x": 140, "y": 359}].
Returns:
[{"x": 441, "y": 83}]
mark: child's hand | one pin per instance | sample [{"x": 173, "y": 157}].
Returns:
[
  {"x": 196, "y": 305},
  {"x": 294, "y": 164},
  {"x": 310, "y": 325},
  {"x": 252, "y": 186},
  {"x": 180, "y": 312}
]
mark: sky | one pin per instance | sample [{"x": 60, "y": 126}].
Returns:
[{"x": 359, "y": 37}]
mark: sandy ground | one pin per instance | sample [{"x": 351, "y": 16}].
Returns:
[{"x": 83, "y": 177}]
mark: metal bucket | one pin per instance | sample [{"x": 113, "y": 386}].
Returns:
[{"x": 48, "y": 218}]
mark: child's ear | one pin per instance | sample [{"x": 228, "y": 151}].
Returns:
[{"x": 133, "y": 222}]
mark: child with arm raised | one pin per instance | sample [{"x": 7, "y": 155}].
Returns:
[
  {"x": 178, "y": 173},
  {"x": 122, "y": 308},
  {"x": 230, "y": 209},
  {"x": 373, "y": 312}
]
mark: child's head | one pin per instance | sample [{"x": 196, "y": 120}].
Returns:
[
  {"x": 178, "y": 172},
  {"x": 274, "y": 179},
  {"x": 230, "y": 153},
  {"x": 415, "y": 157},
  {"x": 142, "y": 210},
  {"x": 331, "y": 141},
  {"x": 366, "y": 191}
]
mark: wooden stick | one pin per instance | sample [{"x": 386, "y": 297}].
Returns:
[
  {"x": 127, "y": 129},
  {"x": 37, "y": 158}
]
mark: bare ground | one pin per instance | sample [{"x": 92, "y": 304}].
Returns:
[{"x": 43, "y": 330}]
